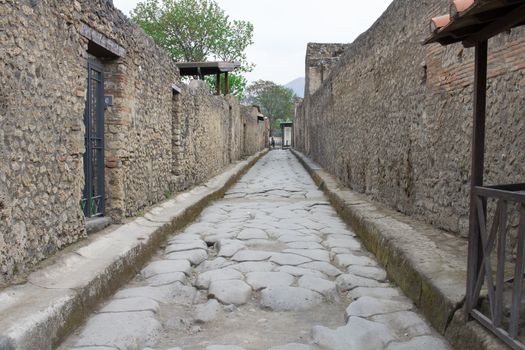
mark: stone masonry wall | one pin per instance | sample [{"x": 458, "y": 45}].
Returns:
[
  {"x": 208, "y": 134},
  {"x": 393, "y": 119},
  {"x": 255, "y": 137},
  {"x": 44, "y": 49}
]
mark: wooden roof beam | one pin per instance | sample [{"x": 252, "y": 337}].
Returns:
[{"x": 510, "y": 20}]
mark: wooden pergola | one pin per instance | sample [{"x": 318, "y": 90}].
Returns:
[
  {"x": 473, "y": 22},
  {"x": 201, "y": 69}
]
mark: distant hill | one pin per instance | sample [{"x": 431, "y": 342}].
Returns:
[{"x": 297, "y": 85}]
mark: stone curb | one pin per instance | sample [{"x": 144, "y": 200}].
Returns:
[
  {"x": 56, "y": 299},
  {"x": 429, "y": 265}
]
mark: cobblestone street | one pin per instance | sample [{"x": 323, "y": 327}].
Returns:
[{"x": 269, "y": 266}]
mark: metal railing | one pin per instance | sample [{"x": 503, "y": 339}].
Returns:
[{"x": 495, "y": 298}]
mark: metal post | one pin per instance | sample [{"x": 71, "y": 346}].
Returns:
[
  {"x": 477, "y": 166},
  {"x": 226, "y": 84},
  {"x": 218, "y": 84}
]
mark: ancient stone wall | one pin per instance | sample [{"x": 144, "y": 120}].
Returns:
[
  {"x": 255, "y": 130},
  {"x": 208, "y": 134},
  {"x": 157, "y": 141},
  {"x": 393, "y": 119},
  {"x": 319, "y": 62}
]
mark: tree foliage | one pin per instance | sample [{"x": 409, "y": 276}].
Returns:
[
  {"x": 276, "y": 101},
  {"x": 237, "y": 84},
  {"x": 194, "y": 30}
]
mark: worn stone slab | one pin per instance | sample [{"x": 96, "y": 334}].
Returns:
[
  {"x": 304, "y": 245},
  {"x": 324, "y": 267},
  {"x": 266, "y": 243},
  {"x": 289, "y": 298},
  {"x": 175, "y": 293},
  {"x": 358, "y": 333},
  {"x": 367, "y": 306},
  {"x": 290, "y": 225},
  {"x": 198, "y": 228},
  {"x": 160, "y": 294},
  {"x": 429, "y": 265},
  {"x": 166, "y": 266},
  {"x": 260, "y": 280},
  {"x": 404, "y": 324},
  {"x": 212, "y": 239},
  {"x": 300, "y": 271},
  {"x": 346, "y": 260},
  {"x": 207, "y": 312},
  {"x": 368, "y": 272},
  {"x": 185, "y": 238},
  {"x": 313, "y": 254},
  {"x": 38, "y": 314},
  {"x": 228, "y": 247},
  {"x": 418, "y": 343},
  {"x": 337, "y": 228},
  {"x": 217, "y": 263},
  {"x": 288, "y": 259},
  {"x": 252, "y": 233},
  {"x": 291, "y": 346},
  {"x": 254, "y": 266},
  {"x": 288, "y": 238},
  {"x": 376, "y": 292},
  {"x": 180, "y": 247},
  {"x": 129, "y": 330},
  {"x": 131, "y": 304},
  {"x": 346, "y": 282},
  {"x": 230, "y": 291},
  {"x": 319, "y": 285},
  {"x": 348, "y": 243},
  {"x": 251, "y": 255},
  {"x": 204, "y": 279},
  {"x": 195, "y": 257},
  {"x": 166, "y": 278},
  {"x": 224, "y": 347}
]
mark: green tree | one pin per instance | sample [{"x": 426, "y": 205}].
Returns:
[
  {"x": 237, "y": 84},
  {"x": 195, "y": 30},
  {"x": 276, "y": 101}
]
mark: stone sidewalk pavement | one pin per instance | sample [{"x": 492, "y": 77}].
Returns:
[{"x": 270, "y": 266}]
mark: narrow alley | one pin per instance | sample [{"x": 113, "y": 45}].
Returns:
[{"x": 269, "y": 266}]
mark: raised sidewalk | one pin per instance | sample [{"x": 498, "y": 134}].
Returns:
[
  {"x": 40, "y": 313},
  {"x": 428, "y": 264}
]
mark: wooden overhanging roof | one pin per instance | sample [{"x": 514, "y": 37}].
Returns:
[
  {"x": 472, "y": 21},
  {"x": 206, "y": 68}
]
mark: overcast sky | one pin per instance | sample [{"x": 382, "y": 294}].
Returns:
[{"x": 282, "y": 28}]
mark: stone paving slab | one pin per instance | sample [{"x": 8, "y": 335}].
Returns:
[
  {"x": 428, "y": 264},
  {"x": 35, "y": 315},
  {"x": 129, "y": 330},
  {"x": 296, "y": 277}
]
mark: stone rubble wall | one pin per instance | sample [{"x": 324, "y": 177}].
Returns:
[
  {"x": 255, "y": 131},
  {"x": 43, "y": 60},
  {"x": 208, "y": 134},
  {"x": 393, "y": 119}
]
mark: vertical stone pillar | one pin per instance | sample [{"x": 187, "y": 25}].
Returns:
[{"x": 117, "y": 120}]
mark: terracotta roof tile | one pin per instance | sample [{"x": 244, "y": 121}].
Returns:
[
  {"x": 439, "y": 22},
  {"x": 459, "y": 6},
  {"x": 471, "y": 21}
]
